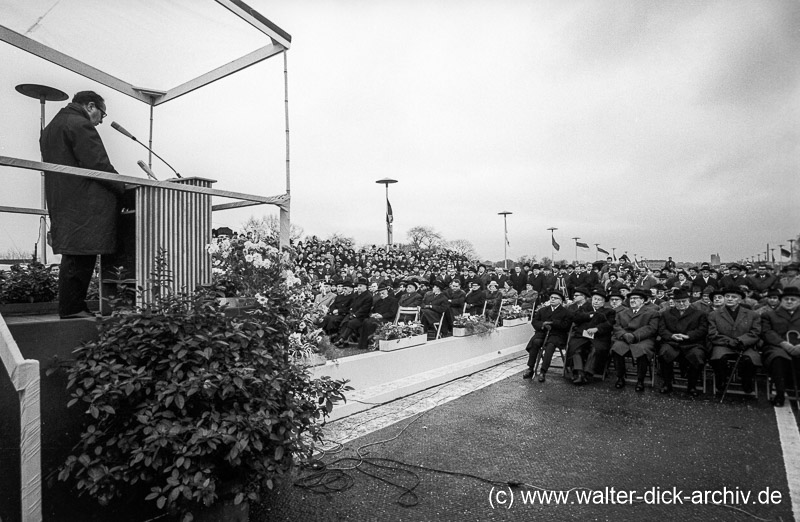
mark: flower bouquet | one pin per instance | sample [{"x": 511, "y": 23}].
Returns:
[{"x": 513, "y": 315}]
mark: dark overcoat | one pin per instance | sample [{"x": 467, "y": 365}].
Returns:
[
  {"x": 83, "y": 211},
  {"x": 775, "y": 324},
  {"x": 694, "y": 323}
]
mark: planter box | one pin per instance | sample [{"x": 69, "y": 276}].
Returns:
[
  {"x": 516, "y": 322},
  {"x": 50, "y": 308},
  {"x": 405, "y": 342},
  {"x": 315, "y": 360},
  {"x": 460, "y": 332}
]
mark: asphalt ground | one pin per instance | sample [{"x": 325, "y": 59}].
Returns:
[{"x": 546, "y": 437}]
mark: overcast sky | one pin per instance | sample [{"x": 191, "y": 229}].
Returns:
[{"x": 659, "y": 128}]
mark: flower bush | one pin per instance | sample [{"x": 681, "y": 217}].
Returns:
[
  {"x": 474, "y": 324},
  {"x": 513, "y": 312},
  {"x": 183, "y": 401},
  {"x": 390, "y": 331},
  {"x": 240, "y": 266}
]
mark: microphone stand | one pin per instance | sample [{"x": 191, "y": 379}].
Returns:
[{"x": 116, "y": 126}]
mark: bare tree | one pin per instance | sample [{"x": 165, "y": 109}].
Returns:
[
  {"x": 425, "y": 238},
  {"x": 462, "y": 247},
  {"x": 340, "y": 239},
  {"x": 270, "y": 226}
]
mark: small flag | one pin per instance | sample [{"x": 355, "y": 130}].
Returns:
[
  {"x": 582, "y": 245},
  {"x": 603, "y": 251},
  {"x": 785, "y": 253},
  {"x": 555, "y": 245},
  {"x": 389, "y": 216}
]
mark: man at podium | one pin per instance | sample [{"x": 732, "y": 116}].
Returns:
[{"x": 84, "y": 212}]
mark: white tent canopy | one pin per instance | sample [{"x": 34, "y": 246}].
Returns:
[{"x": 169, "y": 47}]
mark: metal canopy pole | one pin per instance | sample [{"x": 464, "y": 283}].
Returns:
[{"x": 285, "y": 212}]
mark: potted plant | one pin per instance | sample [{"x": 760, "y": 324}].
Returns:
[
  {"x": 391, "y": 336},
  {"x": 513, "y": 316},
  {"x": 190, "y": 408},
  {"x": 464, "y": 325}
]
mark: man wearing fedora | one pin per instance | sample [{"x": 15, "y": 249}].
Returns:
[
  {"x": 635, "y": 332},
  {"x": 790, "y": 277},
  {"x": 359, "y": 312},
  {"x": 475, "y": 298},
  {"x": 435, "y": 307},
  {"x": 762, "y": 281},
  {"x": 683, "y": 330},
  {"x": 590, "y": 341},
  {"x": 733, "y": 332},
  {"x": 551, "y": 323},
  {"x": 339, "y": 308},
  {"x": 383, "y": 311},
  {"x": 781, "y": 333}
]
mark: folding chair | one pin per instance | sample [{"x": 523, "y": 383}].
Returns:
[
  {"x": 735, "y": 387},
  {"x": 438, "y": 326},
  {"x": 407, "y": 310}
]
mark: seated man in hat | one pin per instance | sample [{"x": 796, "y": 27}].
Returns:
[
  {"x": 528, "y": 297},
  {"x": 591, "y": 332},
  {"x": 635, "y": 331},
  {"x": 410, "y": 297},
  {"x": 735, "y": 277},
  {"x": 683, "y": 332},
  {"x": 383, "y": 311},
  {"x": 434, "y": 309},
  {"x": 763, "y": 281},
  {"x": 339, "y": 308},
  {"x": 781, "y": 331},
  {"x": 790, "y": 276},
  {"x": 475, "y": 299},
  {"x": 771, "y": 302},
  {"x": 551, "y": 323},
  {"x": 359, "y": 312},
  {"x": 733, "y": 332},
  {"x": 704, "y": 279}
]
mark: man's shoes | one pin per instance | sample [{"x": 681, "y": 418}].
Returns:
[
  {"x": 665, "y": 389},
  {"x": 778, "y": 400},
  {"x": 639, "y": 386},
  {"x": 541, "y": 377},
  {"x": 83, "y": 314},
  {"x": 528, "y": 374},
  {"x": 620, "y": 383},
  {"x": 694, "y": 392},
  {"x": 579, "y": 379}
]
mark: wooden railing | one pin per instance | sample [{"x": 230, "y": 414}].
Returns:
[{"x": 24, "y": 374}]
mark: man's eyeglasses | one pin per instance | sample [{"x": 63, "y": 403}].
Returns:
[{"x": 102, "y": 112}]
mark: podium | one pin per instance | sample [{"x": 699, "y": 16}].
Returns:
[{"x": 173, "y": 221}]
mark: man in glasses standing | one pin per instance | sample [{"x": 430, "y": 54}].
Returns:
[{"x": 83, "y": 211}]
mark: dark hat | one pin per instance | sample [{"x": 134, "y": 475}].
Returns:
[
  {"x": 347, "y": 283},
  {"x": 570, "y": 266},
  {"x": 537, "y": 266},
  {"x": 791, "y": 291},
  {"x": 599, "y": 291},
  {"x": 582, "y": 290},
  {"x": 411, "y": 282},
  {"x": 383, "y": 286},
  {"x": 660, "y": 287},
  {"x": 641, "y": 292},
  {"x": 615, "y": 293},
  {"x": 475, "y": 282},
  {"x": 362, "y": 281},
  {"x": 734, "y": 290},
  {"x": 714, "y": 292},
  {"x": 440, "y": 284},
  {"x": 706, "y": 290},
  {"x": 472, "y": 269},
  {"x": 774, "y": 292},
  {"x": 553, "y": 291},
  {"x": 734, "y": 265},
  {"x": 679, "y": 294},
  {"x": 791, "y": 266},
  {"x": 625, "y": 287}
]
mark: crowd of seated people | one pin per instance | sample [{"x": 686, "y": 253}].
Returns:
[{"x": 597, "y": 313}]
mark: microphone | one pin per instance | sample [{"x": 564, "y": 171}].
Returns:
[
  {"x": 117, "y": 127},
  {"x": 147, "y": 170}
]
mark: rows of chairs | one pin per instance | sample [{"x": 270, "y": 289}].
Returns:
[{"x": 412, "y": 313}]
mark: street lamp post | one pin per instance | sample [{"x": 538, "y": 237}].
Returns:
[
  {"x": 596, "y": 252},
  {"x": 576, "y": 249},
  {"x": 389, "y": 215},
  {"x": 552, "y": 246},
  {"x": 43, "y": 93},
  {"x": 505, "y": 214}
]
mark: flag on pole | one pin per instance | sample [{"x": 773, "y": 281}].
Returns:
[
  {"x": 555, "y": 245},
  {"x": 389, "y": 216},
  {"x": 582, "y": 245},
  {"x": 603, "y": 251},
  {"x": 785, "y": 253}
]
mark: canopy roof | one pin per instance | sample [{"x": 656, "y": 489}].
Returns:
[{"x": 166, "y": 49}]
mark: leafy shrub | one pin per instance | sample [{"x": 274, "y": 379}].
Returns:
[
  {"x": 32, "y": 283},
  {"x": 183, "y": 398}
]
